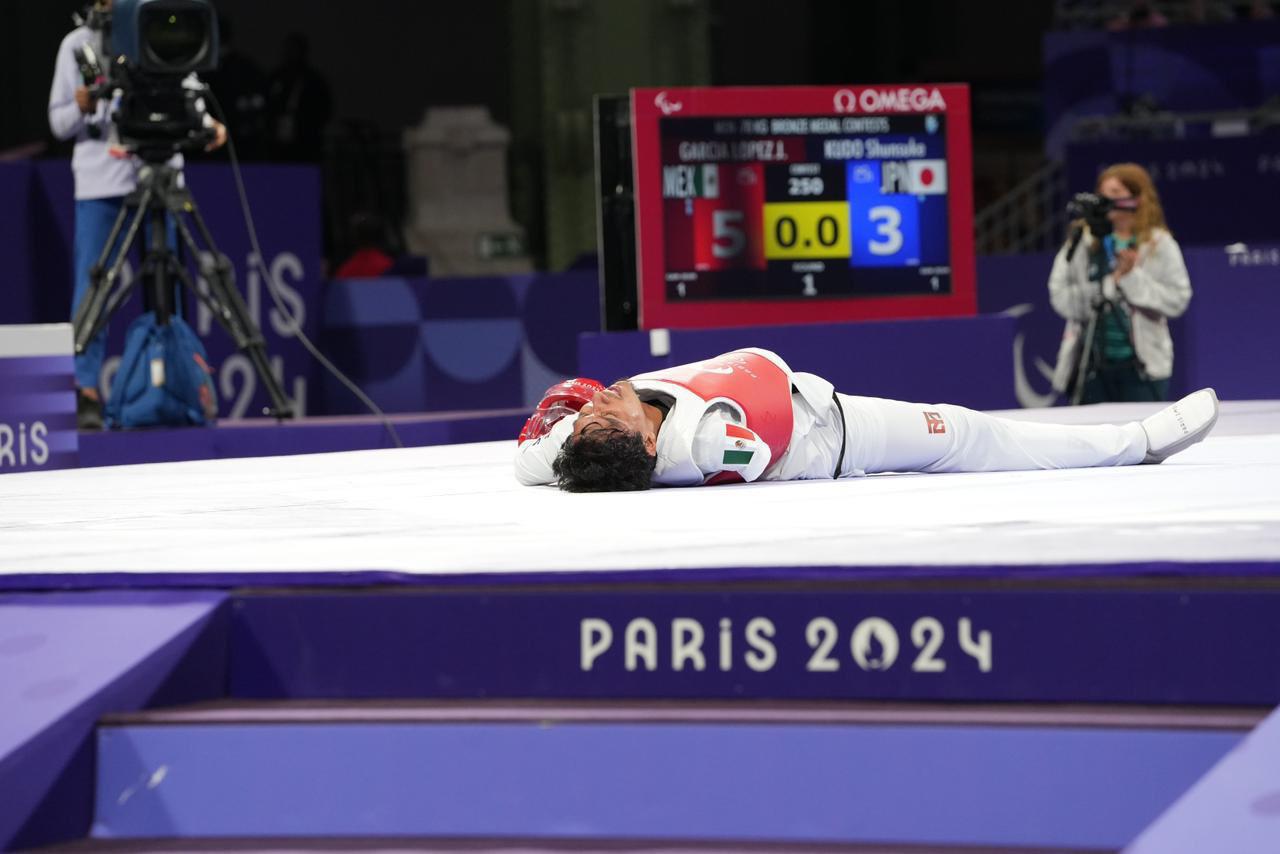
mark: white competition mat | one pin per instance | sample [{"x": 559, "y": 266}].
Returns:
[{"x": 456, "y": 509}]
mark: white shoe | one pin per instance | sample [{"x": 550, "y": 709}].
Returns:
[{"x": 1176, "y": 428}]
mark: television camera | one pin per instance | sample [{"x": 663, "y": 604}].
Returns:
[
  {"x": 154, "y": 49},
  {"x": 151, "y": 51}
]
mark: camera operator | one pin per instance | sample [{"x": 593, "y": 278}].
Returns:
[
  {"x": 1117, "y": 281},
  {"x": 104, "y": 174}
]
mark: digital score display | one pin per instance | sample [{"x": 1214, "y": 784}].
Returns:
[{"x": 754, "y": 206}]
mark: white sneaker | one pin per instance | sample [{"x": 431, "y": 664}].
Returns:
[{"x": 1176, "y": 428}]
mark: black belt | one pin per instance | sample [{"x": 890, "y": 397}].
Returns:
[{"x": 844, "y": 437}]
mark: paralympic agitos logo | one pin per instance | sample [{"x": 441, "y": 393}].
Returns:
[{"x": 901, "y": 100}]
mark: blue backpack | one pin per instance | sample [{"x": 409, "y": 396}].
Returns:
[{"x": 164, "y": 377}]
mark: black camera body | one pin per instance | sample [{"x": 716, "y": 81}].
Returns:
[
  {"x": 1093, "y": 209},
  {"x": 152, "y": 47}
]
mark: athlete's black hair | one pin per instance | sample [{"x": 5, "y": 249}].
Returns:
[{"x": 604, "y": 461}]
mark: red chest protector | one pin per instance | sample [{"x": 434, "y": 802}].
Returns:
[{"x": 760, "y": 388}]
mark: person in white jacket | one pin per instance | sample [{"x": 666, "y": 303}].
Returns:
[
  {"x": 746, "y": 416},
  {"x": 104, "y": 175},
  {"x": 1124, "y": 286}
]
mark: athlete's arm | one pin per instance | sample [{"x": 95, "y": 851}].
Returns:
[
  {"x": 535, "y": 456},
  {"x": 726, "y": 451}
]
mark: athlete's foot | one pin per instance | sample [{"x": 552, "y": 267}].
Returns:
[{"x": 1176, "y": 428}]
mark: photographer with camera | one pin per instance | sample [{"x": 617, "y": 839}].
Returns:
[
  {"x": 80, "y": 107},
  {"x": 1117, "y": 281}
]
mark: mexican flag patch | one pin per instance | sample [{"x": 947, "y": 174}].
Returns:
[{"x": 740, "y": 446}]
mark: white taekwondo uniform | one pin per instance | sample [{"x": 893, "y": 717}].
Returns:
[{"x": 746, "y": 416}]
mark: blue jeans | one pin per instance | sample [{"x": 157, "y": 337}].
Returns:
[{"x": 94, "y": 218}]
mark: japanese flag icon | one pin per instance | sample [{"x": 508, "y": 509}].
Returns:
[{"x": 928, "y": 177}]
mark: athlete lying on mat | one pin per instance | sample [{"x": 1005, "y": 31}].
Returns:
[{"x": 746, "y": 416}]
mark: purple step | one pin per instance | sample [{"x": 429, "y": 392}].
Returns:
[
  {"x": 1235, "y": 807},
  {"x": 817, "y": 774},
  {"x": 66, "y": 659}
]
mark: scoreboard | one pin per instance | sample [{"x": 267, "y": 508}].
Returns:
[{"x": 784, "y": 205}]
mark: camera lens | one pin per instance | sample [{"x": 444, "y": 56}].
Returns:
[{"x": 175, "y": 38}]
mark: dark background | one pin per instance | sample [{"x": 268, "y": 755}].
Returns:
[{"x": 387, "y": 61}]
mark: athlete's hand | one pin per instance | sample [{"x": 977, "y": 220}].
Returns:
[
  {"x": 574, "y": 393},
  {"x": 561, "y": 399}
]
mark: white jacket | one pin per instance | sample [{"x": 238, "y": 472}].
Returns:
[
  {"x": 1156, "y": 289},
  {"x": 98, "y": 174}
]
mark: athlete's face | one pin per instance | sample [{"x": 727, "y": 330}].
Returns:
[{"x": 618, "y": 409}]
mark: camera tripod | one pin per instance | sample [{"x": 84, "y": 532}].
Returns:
[
  {"x": 1100, "y": 306},
  {"x": 159, "y": 192}
]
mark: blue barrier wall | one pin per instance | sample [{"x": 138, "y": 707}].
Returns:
[
  {"x": 455, "y": 344},
  {"x": 493, "y": 343},
  {"x": 1226, "y": 339}
]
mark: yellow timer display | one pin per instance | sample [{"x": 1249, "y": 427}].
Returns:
[{"x": 806, "y": 230}]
